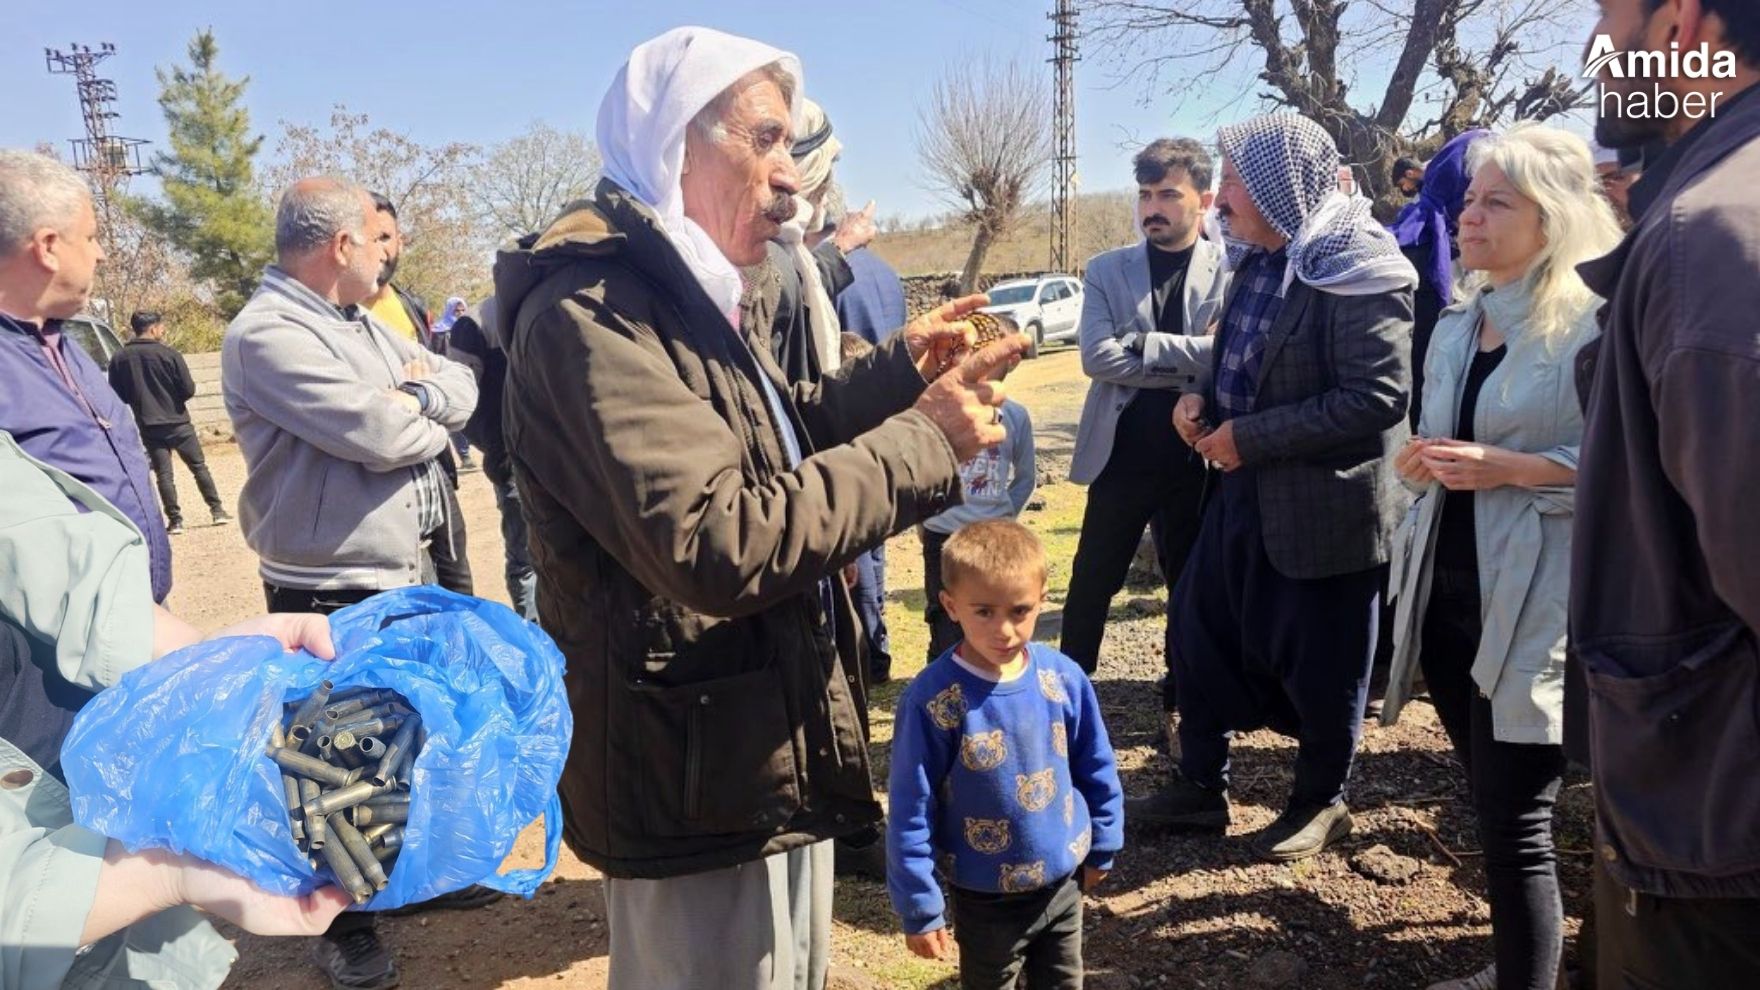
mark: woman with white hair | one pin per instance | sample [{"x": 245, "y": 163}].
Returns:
[{"x": 1482, "y": 564}]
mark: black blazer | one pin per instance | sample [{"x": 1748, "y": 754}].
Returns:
[{"x": 1329, "y": 415}]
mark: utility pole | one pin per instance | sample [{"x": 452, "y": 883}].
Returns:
[
  {"x": 1063, "y": 130},
  {"x": 107, "y": 160}
]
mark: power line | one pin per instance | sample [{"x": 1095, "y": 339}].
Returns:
[
  {"x": 1063, "y": 130},
  {"x": 107, "y": 160}
]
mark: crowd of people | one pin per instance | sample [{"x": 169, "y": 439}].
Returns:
[{"x": 1501, "y": 436}]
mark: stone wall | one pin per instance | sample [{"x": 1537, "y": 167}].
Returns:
[
  {"x": 207, "y": 411},
  {"x": 925, "y": 292}
]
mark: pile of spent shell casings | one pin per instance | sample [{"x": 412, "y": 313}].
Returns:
[{"x": 347, "y": 790}]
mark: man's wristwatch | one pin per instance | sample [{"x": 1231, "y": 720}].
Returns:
[
  {"x": 418, "y": 390},
  {"x": 1132, "y": 342}
]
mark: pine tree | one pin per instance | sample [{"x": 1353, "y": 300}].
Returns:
[{"x": 212, "y": 209}]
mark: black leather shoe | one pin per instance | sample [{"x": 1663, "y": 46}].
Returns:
[
  {"x": 1181, "y": 804},
  {"x": 1301, "y": 832},
  {"x": 356, "y": 960}
]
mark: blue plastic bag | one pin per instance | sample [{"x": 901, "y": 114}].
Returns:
[{"x": 173, "y": 755}]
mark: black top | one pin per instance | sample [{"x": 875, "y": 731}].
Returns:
[
  {"x": 1145, "y": 441},
  {"x": 155, "y": 382},
  {"x": 470, "y": 347},
  {"x": 1167, "y": 282},
  {"x": 1456, "y": 541},
  {"x": 37, "y": 706}
]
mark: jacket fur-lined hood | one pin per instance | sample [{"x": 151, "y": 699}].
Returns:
[{"x": 583, "y": 230}]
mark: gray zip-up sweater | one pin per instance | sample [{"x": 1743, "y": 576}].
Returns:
[{"x": 333, "y": 458}]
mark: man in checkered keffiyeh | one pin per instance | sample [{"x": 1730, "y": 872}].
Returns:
[{"x": 1275, "y": 615}]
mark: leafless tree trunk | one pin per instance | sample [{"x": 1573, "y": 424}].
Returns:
[
  {"x": 968, "y": 275},
  {"x": 984, "y": 139},
  {"x": 1458, "y": 64}
]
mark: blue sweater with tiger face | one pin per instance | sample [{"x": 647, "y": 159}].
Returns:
[{"x": 1007, "y": 788}]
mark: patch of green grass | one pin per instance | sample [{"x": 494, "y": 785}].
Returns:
[
  {"x": 868, "y": 931},
  {"x": 1058, "y": 525}
]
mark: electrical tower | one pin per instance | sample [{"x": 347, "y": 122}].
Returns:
[
  {"x": 1063, "y": 131},
  {"x": 107, "y": 160}
]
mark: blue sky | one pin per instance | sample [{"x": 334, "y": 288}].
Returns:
[{"x": 479, "y": 71}]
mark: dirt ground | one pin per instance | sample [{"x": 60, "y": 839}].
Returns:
[{"x": 1398, "y": 905}]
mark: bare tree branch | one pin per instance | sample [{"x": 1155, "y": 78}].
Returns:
[
  {"x": 447, "y": 253},
  {"x": 1473, "y": 62},
  {"x": 525, "y": 182},
  {"x": 984, "y": 139}
]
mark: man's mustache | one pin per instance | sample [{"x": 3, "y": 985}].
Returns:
[
  {"x": 780, "y": 209},
  {"x": 1157, "y": 218}
]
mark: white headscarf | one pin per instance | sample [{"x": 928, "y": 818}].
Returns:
[
  {"x": 815, "y": 171},
  {"x": 642, "y": 125}
]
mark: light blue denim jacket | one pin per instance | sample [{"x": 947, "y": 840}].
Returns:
[
  {"x": 1528, "y": 404},
  {"x": 79, "y": 580}
]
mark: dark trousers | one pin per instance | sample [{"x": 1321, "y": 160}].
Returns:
[
  {"x": 1669, "y": 943},
  {"x": 944, "y": 633},
  {"x": 1120, "y": 503},
  {"x": 161, "y": 442},
  {"x": 1254, "y": 648},
  {"x": 1514, "y": 788},
  {"x": 870, "y": 594},
  {"x": 307, "y": 600},
  {"x": 446, "y": 549},
  {"x": 323, "y": 602},
  {"x": 999, "y": 935},
  {"x": 522, "y": 579}
]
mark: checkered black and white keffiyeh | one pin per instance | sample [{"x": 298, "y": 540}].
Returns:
[{"x": 1290, "y": 167}]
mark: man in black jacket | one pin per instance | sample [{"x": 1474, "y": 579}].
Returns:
[
  {"x": 1663, "y": 680},
  {"x": 155, "y": 381},
  {"x": 477, "y": 344}
]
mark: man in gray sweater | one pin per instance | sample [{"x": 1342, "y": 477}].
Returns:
[{"x": 340, "y": 421}]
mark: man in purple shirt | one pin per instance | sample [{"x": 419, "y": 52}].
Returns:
[{"x": 55, "y": 401}]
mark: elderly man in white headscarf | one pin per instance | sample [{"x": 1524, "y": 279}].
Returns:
[
  {"x": 688, "y": 510},
  {"x": 1275, "y": 616}
]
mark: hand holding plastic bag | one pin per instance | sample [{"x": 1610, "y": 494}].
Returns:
[{"x": 173, "y": 755}]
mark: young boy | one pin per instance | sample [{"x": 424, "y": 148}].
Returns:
[
  {"x": 996, "y": 484},
  {"x": 1002, "y": 776}
]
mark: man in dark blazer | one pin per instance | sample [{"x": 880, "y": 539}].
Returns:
[{"x": 1275, "y": 615}]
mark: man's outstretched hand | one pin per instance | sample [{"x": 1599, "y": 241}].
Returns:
[
  {"x": 941, "y": 336},
  {"x": 966, "y": 402}
]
